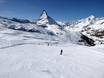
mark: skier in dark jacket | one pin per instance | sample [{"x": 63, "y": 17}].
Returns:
[{"x": 61, "y": 52}]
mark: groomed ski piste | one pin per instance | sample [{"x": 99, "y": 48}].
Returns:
[{"x": 45, "y": 61}]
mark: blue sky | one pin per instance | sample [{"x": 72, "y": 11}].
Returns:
[{"x": 58, "y": 9}]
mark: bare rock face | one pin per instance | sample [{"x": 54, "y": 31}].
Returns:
[{"x": 88, "y": 41}]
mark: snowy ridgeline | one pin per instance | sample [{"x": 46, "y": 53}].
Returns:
[{"x": 88, "y": 31}]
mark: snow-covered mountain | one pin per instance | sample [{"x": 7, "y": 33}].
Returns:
[
  {"x": 45, "y": 27},
  {"x": 49, "y": 23},
  {"x": 45, "y": 24},
  {"x": 45, "y": 19},
  {"x": 92, "y": 26},
  {"x": 85, "y": 31}
]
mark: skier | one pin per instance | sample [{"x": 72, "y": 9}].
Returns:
[{"x": 61, "y": 52}]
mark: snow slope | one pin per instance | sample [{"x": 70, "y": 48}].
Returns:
[
  {"x": 9, "y": 37},
  {"x": 42, "y": 61}
]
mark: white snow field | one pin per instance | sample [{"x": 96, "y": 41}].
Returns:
[{"x": 43, "y": 61}]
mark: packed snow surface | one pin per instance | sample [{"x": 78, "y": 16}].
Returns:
[{"x": 45, "y": 61}]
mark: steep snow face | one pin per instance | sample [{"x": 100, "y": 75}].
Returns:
[
  {"x": 95, "y": 30},
  {"x": 89, "y": 23},
  {"x": 50, "y": 24},
  {"x": 92, "y": 26},
  {"x": 45, "y": 19},
  {"x": 84, "y": 22},
  {"x": 44, "y": 15}
]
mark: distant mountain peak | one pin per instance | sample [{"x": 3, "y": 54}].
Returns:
[
  {"x": 88, "y": 20},
  {"x": 91, "y": 17},
  {"x": 44, "y": 15},
  {"x": 45, "y": 19}
]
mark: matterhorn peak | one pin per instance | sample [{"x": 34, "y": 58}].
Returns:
[
  {"x": 44, "y": 15},
  {"x": 45, "y": 19}
]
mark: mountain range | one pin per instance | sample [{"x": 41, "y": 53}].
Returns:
[{"x": 88, "y": 31}]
